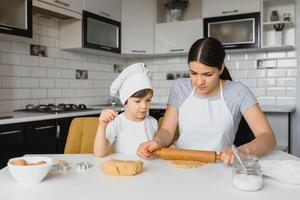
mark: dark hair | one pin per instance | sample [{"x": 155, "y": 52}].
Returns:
[
  {"x": 141, "y": 93},
  {"x": 209, "y": 51}
]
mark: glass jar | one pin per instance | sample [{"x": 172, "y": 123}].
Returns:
[{"x": 248, "y": 178}]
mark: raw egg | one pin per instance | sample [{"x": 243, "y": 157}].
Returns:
[
  {"x": 20, "y": 162},
  {"x": 41, "y": 162}
]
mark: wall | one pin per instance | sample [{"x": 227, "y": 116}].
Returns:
[
  {"x": 295, "y": 130},
  {"x": 275, "y": 86},
  {"x": 29, "y": 79}
]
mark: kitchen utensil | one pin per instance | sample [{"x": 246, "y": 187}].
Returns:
[
  {"x": 187, "y": 154},
  {"x": 237, "y": 155}
]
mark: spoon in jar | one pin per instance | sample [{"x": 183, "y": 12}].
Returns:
[{"x": 237, "y": 155}]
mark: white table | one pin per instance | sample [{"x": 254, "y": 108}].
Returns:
[{"x": 159, "y": 180}]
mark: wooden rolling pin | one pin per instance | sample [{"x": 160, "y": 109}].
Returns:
[{"x": 186, "y": 154}]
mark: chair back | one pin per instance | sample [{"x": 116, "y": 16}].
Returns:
[{"x": 81, "y": 135}]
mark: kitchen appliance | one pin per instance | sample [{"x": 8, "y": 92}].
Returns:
[
  {"x": 53, "y": 108},
  {"x": 16, "y": 17},
  {"x": 234, "y": 31},
  {"x": 187, "y": 154},
  {"x": 101, "y": 33}
]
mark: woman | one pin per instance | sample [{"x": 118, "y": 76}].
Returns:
[{"x": 208, "y": 109}]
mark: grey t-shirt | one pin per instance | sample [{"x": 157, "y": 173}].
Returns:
[{"x": 237, "y": 96}]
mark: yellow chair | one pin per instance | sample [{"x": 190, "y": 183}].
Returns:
[
  {"x": 81, "y": 135},
  {"x": 160, "y": 120}
]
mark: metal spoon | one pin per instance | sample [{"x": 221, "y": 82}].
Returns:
[{"x": 237, "y": 155}]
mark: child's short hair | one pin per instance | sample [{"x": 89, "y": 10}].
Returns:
[{"x": 141, "y": 93}]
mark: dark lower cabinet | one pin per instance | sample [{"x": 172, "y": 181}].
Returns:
[
  {"x": 11, "y": 142},
  {"x": 40, "y": 137},
  {"x": 63, "y": 128}
]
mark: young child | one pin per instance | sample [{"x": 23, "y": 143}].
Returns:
[{"x": 132, "y": 127}]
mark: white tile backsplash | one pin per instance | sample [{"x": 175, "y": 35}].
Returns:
[
  {"x": 47, "y": 83},
  {"x": 287, "y": 82},
  {"x": 30, "y": 60},
  {"x": 5, "y": 46},
  {"x": 38, "y": 72},
  {"x": 247, "y": 64},
  {"x": 267, "y": 84},
  {"x": 287, "y": 63},
  {"x": 29, "y": 79},
  {"x": 30, "y": 82},
  {"x": 13, "y": 59},
  {"x": 276, "y": 92},
  {"x": 276, "y": 73},
  {"x": 10, "y": 82},
  {"x": 38, "y": 93},
  {"x": 5, "y": 70},
  {"x": 20, "y": 48}
]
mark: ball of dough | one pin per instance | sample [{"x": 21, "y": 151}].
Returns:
[{"x": 122, "y": 167}]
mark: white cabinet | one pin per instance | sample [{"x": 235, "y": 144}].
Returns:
[
  {"x": 74, "y": 5},
  {"x": 177, "y": 37},
  {"x": 286, "y": 36},
  {"x": 173, "y": 37},
  {"x": 137, "y": 27},
  {"x": 107, "y": 8},
  {"x": 280, "y": 125},
  {"x": 213, "y": 8},
  {"x": 61, "y": 9}
]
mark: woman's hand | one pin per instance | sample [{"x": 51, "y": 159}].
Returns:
[
  {"x": 227, "y": 155},
  {"x": 145, "y": 149},
  {"x": 107, "y": 116}
]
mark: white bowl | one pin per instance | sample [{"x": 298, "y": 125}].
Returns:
[{"x": 30, "y": 174}]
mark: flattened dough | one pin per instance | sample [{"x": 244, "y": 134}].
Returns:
[
  {"x": 122, "y": 167},
  {"x": 187, "y": 164}
]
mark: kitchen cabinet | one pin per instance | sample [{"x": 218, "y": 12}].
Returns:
[
  {"x": 280, "y": 123},
  {"x": 173, "y": 37},
  {"x": 107, "y": 8},
  {"x": 61, "y": 9},
  {"x": 177, "y": 37},
  {"x": 37, "y": 137},
  {"x": 40, "y": 137},
  {"x": 11, "y": 142},
  {"x": 213, "y": 8},
  {"x": 16, "y": 17},
  {"x": 137, "y": 26},
  {"x": 74, "y": 5},
  {"x": 285, "y": 34},
  {"x": 63, "y": 125}
]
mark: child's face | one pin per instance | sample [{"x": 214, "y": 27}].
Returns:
[{"x": 137, "y": 107}]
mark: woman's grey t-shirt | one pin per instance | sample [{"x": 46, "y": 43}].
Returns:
[{"x": 237, "y": 96}]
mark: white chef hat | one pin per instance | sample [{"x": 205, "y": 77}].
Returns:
[{"x": 131, "y": 80}]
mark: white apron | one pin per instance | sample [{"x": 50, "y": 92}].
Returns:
[{"x": 205, "y": 124}]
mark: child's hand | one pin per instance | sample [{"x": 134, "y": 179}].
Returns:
[{"x": 107, "y": 116}]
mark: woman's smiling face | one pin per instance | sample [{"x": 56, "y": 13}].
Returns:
[{"x": 205, "y": 78}]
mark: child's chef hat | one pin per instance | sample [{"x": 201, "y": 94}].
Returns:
[{"x": 131, "y": 80}]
